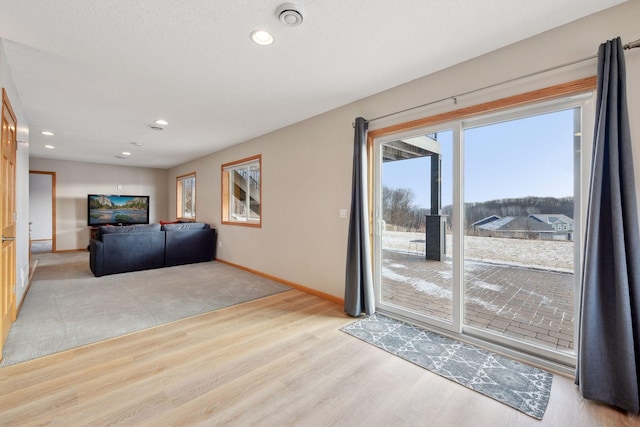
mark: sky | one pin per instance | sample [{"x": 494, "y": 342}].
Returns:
[
  {"x": 121, "y": 200},
  {"x": 526, "y": 157}
]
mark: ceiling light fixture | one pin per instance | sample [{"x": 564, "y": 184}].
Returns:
[
  {"x": 261, "y": 37},
  {"x": 47, "y": 132},
  {"x": 162, "y": 122},
  {"x": 289, "y": 14},
  {"x": 126, "y": 153},
  {"x": 49, "y": 146}
]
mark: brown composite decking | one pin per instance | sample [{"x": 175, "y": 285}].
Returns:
[{"x": 529, "y": 304}]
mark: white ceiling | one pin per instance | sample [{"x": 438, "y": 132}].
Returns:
[{"x": 98, "y": 73}]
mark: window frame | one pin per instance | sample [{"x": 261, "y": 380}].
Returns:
[
  {"x": 226, "y": 202},
  {"x": 180, "y": 201}
]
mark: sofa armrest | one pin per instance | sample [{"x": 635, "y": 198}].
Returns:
[{"x": 96, "y": 257}]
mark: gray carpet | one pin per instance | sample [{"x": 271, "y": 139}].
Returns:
[
  {"x": 520, "y": 386},
  {"x": 67, "y": 306}
]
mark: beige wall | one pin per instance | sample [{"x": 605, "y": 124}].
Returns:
[
  {"x": 22, "y": 179},
  {"x": 74, "y": 180},
  {"x": 306, "y": 176},
  {"x": 307, "y": 166}
]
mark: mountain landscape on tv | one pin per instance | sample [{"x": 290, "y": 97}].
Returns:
[{"x": 106, "y": 209}]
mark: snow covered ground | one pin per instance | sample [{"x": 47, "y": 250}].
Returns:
[{"x": 545, "y": 254}]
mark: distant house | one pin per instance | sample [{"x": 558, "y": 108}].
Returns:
[
  {"x": 539, "y": 226},
  {"x": 562, "y": 224},
  {"x": 485, "y": 221}
]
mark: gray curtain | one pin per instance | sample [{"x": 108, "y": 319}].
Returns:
[
  {"x": 608, "y": 349},
  {"x": 358, "y": 292}
]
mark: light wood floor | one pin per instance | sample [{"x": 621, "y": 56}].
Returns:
[{"x": 277, "y": 361}]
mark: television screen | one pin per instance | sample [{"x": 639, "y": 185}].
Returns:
[{"x": 105, "y": 209}]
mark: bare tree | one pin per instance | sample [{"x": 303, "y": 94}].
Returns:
[{"x": 397, "y": 207}]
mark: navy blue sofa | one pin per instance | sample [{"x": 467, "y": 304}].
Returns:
[{"x": 142, "y": 247}]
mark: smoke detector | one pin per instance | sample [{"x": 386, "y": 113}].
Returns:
[{"x": 289, "y": 14}]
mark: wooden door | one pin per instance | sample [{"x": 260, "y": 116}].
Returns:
[{"x": 7, "y": 219}]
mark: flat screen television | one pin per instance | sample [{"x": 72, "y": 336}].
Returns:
[{"x": 105, "y": 209}]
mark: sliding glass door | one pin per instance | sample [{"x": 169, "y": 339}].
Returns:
[
  {"x": 414, "y": 236},
  {"x": 519, "y": 226},
  {"x": 477, "y": 225}
]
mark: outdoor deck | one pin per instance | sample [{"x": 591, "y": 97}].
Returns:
[{"x": 532, "y": 305}]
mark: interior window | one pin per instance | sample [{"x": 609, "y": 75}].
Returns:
[
  {"x": 242, "y": 192},
  {"x": 186, "y": 197}
]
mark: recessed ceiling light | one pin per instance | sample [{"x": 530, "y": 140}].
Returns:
[
  {"x": 262, "y": 37},
  {"x": 162, "y": 122},
  {"x": 126, "y": 153},
  {"x": 47, "y": 132},
  {"x": 49, "y": 146}
]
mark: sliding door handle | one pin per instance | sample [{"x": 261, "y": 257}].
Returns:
[{"x": 8, "y": 239}]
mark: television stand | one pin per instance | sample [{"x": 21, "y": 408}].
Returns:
[{"x": 94, "y": 232}]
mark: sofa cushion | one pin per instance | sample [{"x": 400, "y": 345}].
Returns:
[
  {"x": 124, "y": 252},
  {"x": 136, "y": 228},
  {"x": 185, "y": 226},
  {"x": 189, "y": 246}
]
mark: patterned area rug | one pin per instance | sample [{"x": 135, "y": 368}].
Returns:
[{"x": 515, "y": 384}]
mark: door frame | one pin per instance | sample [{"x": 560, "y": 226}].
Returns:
[
  {"x": 53, "y": 205},
  {"x": 6, "y": 320}
]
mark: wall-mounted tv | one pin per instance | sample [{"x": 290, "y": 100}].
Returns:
[{"x": 105, "y": 209}]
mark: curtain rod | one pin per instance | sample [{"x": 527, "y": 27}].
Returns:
[
  {"x": 632, "y": 45},
  {"x": 627, "y": 46}
]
